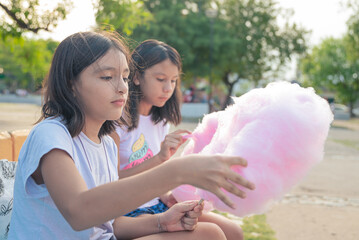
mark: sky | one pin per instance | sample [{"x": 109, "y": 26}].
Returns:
[{"x": 325, "y": 18}]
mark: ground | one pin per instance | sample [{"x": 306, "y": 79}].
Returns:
[{"x": 325, "y": 205}]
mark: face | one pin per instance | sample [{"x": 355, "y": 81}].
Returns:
[
  {"x": 158, "y": 84},
  {"x": 102, "y": 87}
]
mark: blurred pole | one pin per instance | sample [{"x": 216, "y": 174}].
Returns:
[{"x": 211, "y": 14}]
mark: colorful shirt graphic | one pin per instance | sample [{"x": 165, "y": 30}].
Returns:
[{"x": 140, "y": 152}]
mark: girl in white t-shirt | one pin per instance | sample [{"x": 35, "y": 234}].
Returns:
[
  {"x": 66, "y": 183},
  {"x": 154, "y": 102}
]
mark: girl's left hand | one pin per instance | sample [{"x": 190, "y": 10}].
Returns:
[
  {"x": 181, "y": 216},
  {"x": 168, "y": 199},
  {"x": 171, "y": 143}
]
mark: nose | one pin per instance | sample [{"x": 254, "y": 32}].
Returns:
[
  {"x": 167, "y": 86},
  {"x": 122, "y": 86}
]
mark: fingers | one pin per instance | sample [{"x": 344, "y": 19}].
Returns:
[
  {"x": 224, "y": 198},
  {"x": 184, "y": 207},
  {"x": 235, "y": 177},
  {"x": 238, "y": 179},
  {"x": 181, "y": 131},
  {"x": 235, "y": 160},
  {"x": 189, "y": 224}
]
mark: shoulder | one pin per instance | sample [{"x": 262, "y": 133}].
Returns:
[
  {"x": 50, "y": 129},
  {"x": 121, "y": 130}
]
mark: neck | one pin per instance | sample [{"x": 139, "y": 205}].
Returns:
[
  {"x": 144, "y": 108},
  {"x": 91, "y": 130}
]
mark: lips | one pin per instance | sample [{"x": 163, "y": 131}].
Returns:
[
  {"x": 119, "y": 102},
  {"x": 163, "y": 98}
]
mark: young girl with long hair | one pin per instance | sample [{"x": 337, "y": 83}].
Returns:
[
  {"x": 154, "y": 103},
  {"x": 66, "y": 183}
]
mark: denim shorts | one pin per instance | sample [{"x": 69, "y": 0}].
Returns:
[{"x": 158, "y": 208}]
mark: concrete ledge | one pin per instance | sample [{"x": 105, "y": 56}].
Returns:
[
  {"x": 11, "y": 143},
  {"x": 6, "y": 146}
]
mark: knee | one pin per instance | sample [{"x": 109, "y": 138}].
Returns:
[
  {"x": 211, "y": 231},
  {"x": 233, "y": 231}
]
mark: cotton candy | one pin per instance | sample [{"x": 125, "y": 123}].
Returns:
[{"x": 280, "y": 130}]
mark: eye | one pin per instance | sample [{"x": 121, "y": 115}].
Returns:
[
  {"x": 126, "y": 80},
  {"x": 106, "y": 77},
  {"x": 174, "y": 81},
  {"x": 160, "y": 79}
]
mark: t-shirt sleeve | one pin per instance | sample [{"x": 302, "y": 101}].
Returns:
[
  {"x": 121, "y": 131},
  {"x": 44, "y": 137}
]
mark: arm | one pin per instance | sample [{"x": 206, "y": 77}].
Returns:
[
  {"x": 169, "y": 147},
  {"x": 84, "y": 208},
  {"x": 181, "y": 217}
]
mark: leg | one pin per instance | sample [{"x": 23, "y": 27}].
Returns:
[
  {"x": 232, "y": 230},
  {"x": 203, "y": 231}
]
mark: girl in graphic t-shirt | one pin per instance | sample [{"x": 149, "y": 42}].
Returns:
[
  {"x": 154, "y": 103},
  {"x": 66, "y": 183}
]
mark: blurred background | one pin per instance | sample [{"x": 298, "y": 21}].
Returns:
[{"x": 228, "y": 46}]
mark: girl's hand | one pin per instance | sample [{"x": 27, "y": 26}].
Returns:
[
  {"x": 181, "y": 216},
  {"x": 171, "y": 143},
  {"x": 212, "y": 173},
  {"x": 168, "y": 199}
]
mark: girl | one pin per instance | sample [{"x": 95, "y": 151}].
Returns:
[
  {"x": 66, "y": 181},
  {"x": 155, "y": 101}
]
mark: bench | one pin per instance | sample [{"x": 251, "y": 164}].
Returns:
[{"x": 10, "y": 145}]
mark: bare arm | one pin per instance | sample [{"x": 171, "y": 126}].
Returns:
[
  {"x": 181, "y": 217},
  {"x": 84, "y": 208}
]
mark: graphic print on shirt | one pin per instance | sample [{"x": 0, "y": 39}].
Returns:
[{"x": 140, "y": 152}]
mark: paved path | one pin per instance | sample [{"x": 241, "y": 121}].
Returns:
[{"x": 326, "y": 204}]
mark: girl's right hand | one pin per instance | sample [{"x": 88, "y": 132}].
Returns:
[
  {"x": 181, "y": 217},
  {"x": 212, "y": 173},
  {"x": 171, "y": 143}
]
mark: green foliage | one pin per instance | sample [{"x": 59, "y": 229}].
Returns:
[
  {"x": 125, "y": 15},
  {"x": 19, "y": 16},
  {"x": 246, "y": 38},
  {"x": 330, "y": 66},
  {"x": 25, "y": 62},
  {"x": 254, "y": 227}
]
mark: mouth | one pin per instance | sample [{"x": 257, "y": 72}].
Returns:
[
  {"x": 119, "y": 102},
  {"x": 163, "y": 98}
]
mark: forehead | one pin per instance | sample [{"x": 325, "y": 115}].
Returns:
[
  {"x": 165, "y": 67},
  {"x": 113, "y": 59}
]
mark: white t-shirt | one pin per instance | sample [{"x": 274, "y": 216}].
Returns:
[
  {"x": 35, "y": 216},
  {"x": 141, "y": 144}
]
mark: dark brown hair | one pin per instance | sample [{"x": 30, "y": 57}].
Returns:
[
  {"x": 72, "y": 56},
  {"x": 146, "y": 55}
]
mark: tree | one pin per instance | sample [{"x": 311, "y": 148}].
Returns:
[
  {"x": 247, "y": 40},
  {"x": 25, "y": 62},
  {"x": 329, "y": 66},
  {"x": 124, "y": 15},
  {"x": 29, "y": 16}
]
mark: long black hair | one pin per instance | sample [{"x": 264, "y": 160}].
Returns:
[
  {"x": 146, "y": 55},
  {"x": 72, "y": 56}
]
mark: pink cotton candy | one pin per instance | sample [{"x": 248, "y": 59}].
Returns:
[{"x": 280, "y": 130}]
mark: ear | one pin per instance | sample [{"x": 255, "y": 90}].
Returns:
[{"x": 136, "y": 81}]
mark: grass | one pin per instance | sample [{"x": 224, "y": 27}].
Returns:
[{"x": 254, "y": 227}]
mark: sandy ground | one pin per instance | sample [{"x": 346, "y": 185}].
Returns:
[{"x": 325, "y": 205}]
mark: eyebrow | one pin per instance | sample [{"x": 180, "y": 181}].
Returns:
[
  {"x": 105, "y": 68},
  {"x": 161, "y": 73}
]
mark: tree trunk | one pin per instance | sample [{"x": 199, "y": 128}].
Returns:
[{"x": 229, "y": 86}]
